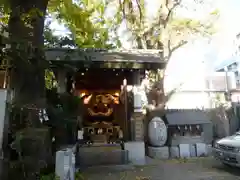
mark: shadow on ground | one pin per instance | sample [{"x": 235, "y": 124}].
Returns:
[
  {"x": 229, "y": 169},
  {"x": 180, "y": 169}
]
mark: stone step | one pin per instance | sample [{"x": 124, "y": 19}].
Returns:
[{"x": 101, "y": 155}]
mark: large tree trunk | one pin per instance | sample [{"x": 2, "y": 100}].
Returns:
[{"x": 26, "y": 26}]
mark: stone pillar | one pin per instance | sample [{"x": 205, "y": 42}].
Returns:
[
  {"x": 136, "y": 152},
  {"x": 65, "y": 164},
  {"x": 4, "y": 97},
  {"x": 137, "y": 126},
  {"x": 62, "y": 81}
]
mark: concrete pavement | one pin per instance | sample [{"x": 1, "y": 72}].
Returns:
[{"x": 191, "y": 169}]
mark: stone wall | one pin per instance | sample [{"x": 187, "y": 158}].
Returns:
[
  {"x": 180, "y": 151},
  {"x": 96, "y": 155},
  {"x": 175, "y": 141}
]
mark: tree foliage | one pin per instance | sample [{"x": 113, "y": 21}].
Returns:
[
  {"x": 87, "y": 22},
  {"x": 54, "y": 41},
  {"x": 167, "y": 31},
  {"x": 27, "y": 35},
  {"x": 90, "y": 27}
]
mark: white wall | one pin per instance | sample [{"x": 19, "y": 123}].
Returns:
[{"x": 189, "y": 100}]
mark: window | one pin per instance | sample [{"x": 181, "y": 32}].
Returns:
[{"x": 236, "y": 73}]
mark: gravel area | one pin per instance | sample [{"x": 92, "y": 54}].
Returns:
[{"x": 192, "y": 169}]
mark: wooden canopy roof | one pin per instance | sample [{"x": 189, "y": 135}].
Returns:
[{"x": 99, "y": 58}]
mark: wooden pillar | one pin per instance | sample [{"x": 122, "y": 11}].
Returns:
[
  {"x": 126, "y": 120},
  {"x": 137, "y": 131},
  {"x": 62, "y": 80},
  {"x": 137, "y": 78}
]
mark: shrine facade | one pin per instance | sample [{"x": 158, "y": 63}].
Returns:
[{"x": 107, "y": 83}]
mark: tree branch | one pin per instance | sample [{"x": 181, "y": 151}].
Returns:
[
  {"x": 183, "y": 42},
  {"x": 170, "y": 11},
  {"x": 140, "y": 11},
  {"x": 122, "y": 4},
  {"x": 172, "y": 49},
  {"x": 163, "y": 20}
]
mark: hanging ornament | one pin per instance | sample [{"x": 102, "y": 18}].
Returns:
[
  {"x": 178, "y": 127},
  {"x": 198, "y": 127},
  {"x": 185, "y": 128},
  {"x": 190, "y": 127}
]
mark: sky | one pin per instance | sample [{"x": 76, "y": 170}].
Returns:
[
  {"x": 201, "y": 56},
  {"x": 223, "y": 45}
]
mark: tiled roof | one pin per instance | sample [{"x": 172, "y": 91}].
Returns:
[
  {"x": 135, "y": 55},
  {"x": 187, "y": 117}
]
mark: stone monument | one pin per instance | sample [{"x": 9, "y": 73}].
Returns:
[{"x": 157, "y": 134}]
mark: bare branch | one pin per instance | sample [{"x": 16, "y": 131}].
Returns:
[
  {"x": 172, "y": 49},
  {"x": 170, "y": 11},
  {"x": 140, "y": 10},
  {"x": 163, "y": 20},
  {"x": 122, "y": 7},
  {"x": 183, "y": 42}
]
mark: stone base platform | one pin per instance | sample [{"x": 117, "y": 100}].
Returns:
[
  {"x": 136, "y": 150},
  {"x": 158, "y": 152},
  {"x": 105, "y": 154},
  {"x": 181, "y": 151}
]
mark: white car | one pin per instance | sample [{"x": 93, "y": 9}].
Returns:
[{"x": 227, "y": 150}]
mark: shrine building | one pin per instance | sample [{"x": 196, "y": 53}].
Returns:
[{"x": 104, "y": 79}]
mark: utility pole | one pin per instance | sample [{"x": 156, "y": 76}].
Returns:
[
  {"x": 228, "y": 99},
  {"x": 227, "y": 90}
]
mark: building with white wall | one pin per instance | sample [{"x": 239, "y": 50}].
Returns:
[
  {"x": 195, "y": 85},
  {"x": 233, "y": 65}
]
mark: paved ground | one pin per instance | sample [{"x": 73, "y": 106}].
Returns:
[{"x": 194, "y": 169}]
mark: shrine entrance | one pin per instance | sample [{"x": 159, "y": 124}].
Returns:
[{"x": 106, "y": 106}]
